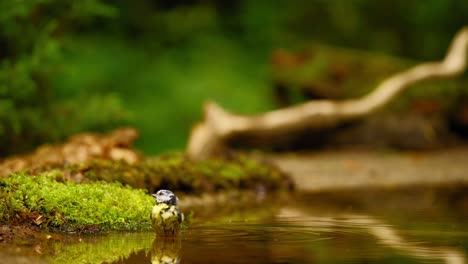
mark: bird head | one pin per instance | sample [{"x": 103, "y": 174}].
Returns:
[{"x": 165, "y": 196}]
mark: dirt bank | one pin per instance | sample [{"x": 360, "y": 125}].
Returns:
[{"x": 345, "y": 169}]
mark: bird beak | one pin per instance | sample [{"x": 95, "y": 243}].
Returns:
[{"x": 154, "y": 195}]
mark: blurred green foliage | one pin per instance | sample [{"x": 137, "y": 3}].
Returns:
[
  {"x": 69, "y": 66},
  {"x": 31, "y": 108}
]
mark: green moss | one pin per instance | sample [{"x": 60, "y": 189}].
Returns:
[
  {"x": 52, "y": 202},
  {"x": 176, "y": 172}
]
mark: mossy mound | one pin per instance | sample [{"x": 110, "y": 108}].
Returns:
[
  {"x": 176, "y": 172},
  {"x": 110, "y": 195},
  {"x": 52, "y": 202}
]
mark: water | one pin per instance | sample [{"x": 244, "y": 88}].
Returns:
[{"x": 412, "y": 226}]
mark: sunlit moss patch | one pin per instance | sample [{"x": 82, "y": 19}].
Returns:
[{"x": 52, "y": 202}]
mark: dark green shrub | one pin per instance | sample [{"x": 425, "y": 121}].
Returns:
[{"x": 31, "y": 110}]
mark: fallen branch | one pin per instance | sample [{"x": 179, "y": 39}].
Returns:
[{"x": 220, "y": 125}]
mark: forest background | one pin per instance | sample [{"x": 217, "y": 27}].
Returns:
[{"x": 68, "y": 66}]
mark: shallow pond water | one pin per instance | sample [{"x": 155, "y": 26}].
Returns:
[{"x": 409, "y": 226}]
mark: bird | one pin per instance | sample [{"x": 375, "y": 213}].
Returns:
[{"x": 166, "y": 219}]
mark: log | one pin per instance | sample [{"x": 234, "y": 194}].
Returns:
[{"x": 220, "y": 126}]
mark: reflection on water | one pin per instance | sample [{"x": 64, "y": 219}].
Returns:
[
  {"x": 166, "y": 250},
  {"x": 314, "y": 229},
  {"x": 299, "y": 229},
  {"x": 384, "y": 234}
]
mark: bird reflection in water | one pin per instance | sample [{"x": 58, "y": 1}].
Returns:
[{"x": 166, "y": 250}]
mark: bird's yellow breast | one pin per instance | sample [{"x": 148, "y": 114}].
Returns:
[{"x": 166, "y": 219}]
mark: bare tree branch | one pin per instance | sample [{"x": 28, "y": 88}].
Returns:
[{"x": 220, "y": 125}]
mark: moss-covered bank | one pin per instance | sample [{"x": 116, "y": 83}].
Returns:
[
  {"x": 105, "y": 195},
  {"x": 176, "y": 172}
]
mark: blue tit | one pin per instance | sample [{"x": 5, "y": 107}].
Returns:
[{"x": 166, "y": 218}]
